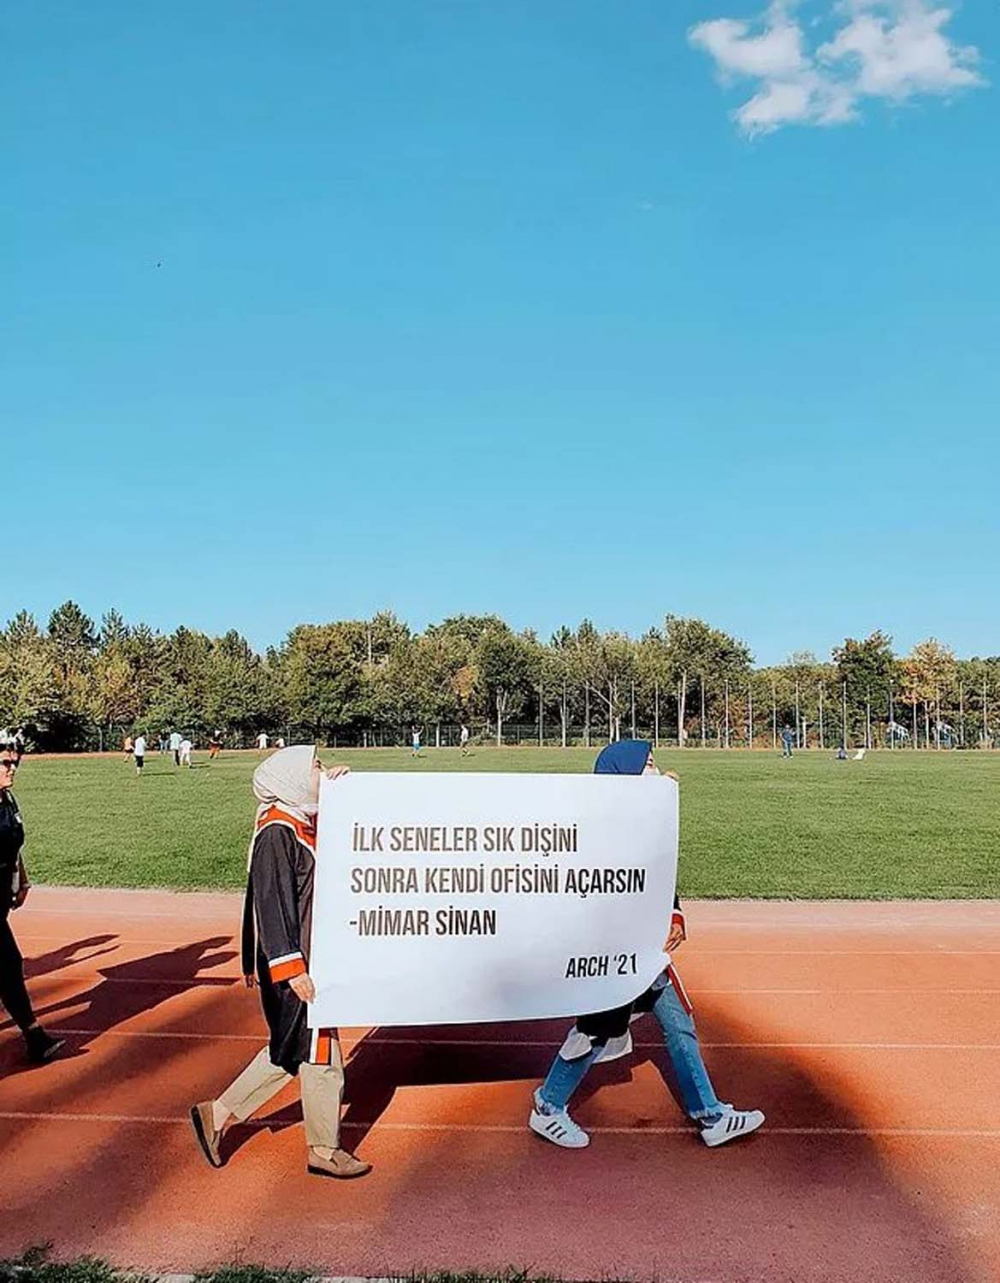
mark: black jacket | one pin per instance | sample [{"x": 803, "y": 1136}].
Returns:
[{"x": 11, "y": 842}]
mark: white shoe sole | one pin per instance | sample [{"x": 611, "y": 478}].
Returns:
[
  {"x": 724, "y": 1137},
  {"x": 551, "y": 1129}
]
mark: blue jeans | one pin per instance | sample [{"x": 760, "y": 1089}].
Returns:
[{"x": 681, "y": 1041}]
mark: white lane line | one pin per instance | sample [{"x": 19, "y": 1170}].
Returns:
[
  {"x": 693, "y": 950},
  {"x": 517, "y": 1129},
  {"x": 229, "y": 981},
  {"x": 514, "y": 1044},
  {"x": 697, "y": 950}
]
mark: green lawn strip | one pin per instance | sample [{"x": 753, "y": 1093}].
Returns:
[
  {"x": 37, "y": 1266},
  {"x": 897, "y": 825}
]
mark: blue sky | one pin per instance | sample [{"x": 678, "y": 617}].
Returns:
[{"x": 553, "y": 309}]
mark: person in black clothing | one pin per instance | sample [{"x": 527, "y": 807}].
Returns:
[
  {"x": 277, "y": 931},
  {"x": 14, "y": 886}
]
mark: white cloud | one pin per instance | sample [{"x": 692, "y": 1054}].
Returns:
[
  {"x": 888, "y": 49},
  {"x": 776, "y": 51}
]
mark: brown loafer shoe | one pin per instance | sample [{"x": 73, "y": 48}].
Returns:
[
  {"x": 341, "y": 1165},
  {"x": 204, "y": 1129}
]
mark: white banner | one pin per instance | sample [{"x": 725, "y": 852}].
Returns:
[{"x": 457, "y": 898}]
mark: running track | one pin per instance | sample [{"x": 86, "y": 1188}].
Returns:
[{"x": 869, "y": 1033}]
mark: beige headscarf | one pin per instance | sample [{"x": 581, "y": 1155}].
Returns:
[{"x": 285, "y": 780}]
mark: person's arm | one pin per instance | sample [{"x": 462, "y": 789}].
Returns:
[
  {"x": 678, "y": 927},
  {"x": 23, "y": 886},
  {"x": 276, "y": 902}
]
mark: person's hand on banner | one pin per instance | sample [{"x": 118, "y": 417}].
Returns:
[
  {"x": 676, "y": 937},
  {"x": 303, "y": 987},
  {"x": 335, "y": 772}
]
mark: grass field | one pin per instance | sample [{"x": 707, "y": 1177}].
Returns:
[{"x": 752, "y": 824}]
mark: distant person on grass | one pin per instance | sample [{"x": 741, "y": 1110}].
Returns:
[
  {"x": 605, "y": 1035},
  {"x": 139, "y": 752},
  {"x": 415, "y": 741},
  {"x": 14, "y": 886},
  {"x": 128, "y": 747},
  {"x": 262, "y": 742},
  {"x": 214, "y": 746},
  {"x": 175, "y": 746},
  {"x": 185, "y": 752},
  {"x": 463, "y": 739},
  {"x": 277, "y": 921},
  {"x": 787, "y": 740}
]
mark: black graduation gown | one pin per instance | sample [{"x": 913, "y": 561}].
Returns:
[{"x": 277, "y": 927}]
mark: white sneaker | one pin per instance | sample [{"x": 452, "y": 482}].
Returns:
[
  {"x": 557, "y": 1126},
  {"x": 733, "y": 1123}
]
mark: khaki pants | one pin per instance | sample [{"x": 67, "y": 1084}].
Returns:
[{"x": 322, "y": 1088}]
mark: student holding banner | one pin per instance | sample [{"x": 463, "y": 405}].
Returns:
[
  {"x": 277, "y": 923},
  {"x": 605, "y": 1035}
]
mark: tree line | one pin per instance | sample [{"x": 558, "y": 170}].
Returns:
[{"x": 74, "y": 685}]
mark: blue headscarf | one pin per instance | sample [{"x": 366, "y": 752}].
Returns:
[{"x": 627, "y": 757}]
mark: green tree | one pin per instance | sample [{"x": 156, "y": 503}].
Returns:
[
  {"x": 504, "y": 673},
  {"x": 322, "y": 677},
  {"x": 26, "y": 678},
  {"x": 71, "y": 650},
  {"x": 928, "y": 672}
]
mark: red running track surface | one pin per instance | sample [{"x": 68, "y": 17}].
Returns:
[{"x": 868, "y": 1033}]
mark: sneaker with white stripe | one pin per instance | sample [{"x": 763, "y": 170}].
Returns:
[
  {"x": 557, "y": 1126},
  {"x": 732, "y": 1124}
]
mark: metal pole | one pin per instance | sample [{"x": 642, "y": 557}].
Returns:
[
  {"x": 961, "y": 714},
  {"x": 843, "y": 713},
  {"x": 821, "y": 744},
  {"x": 633, "y": 708},
  {"x": 774, "y": 715},
  {"x": 798, "y": 718},
  {"x": 750, "y": 712},
  {"x": 892, "y": 719},
  {"x": 541, "y": 718},
  {"x": 727, "y": 712},
  {"x": 868, "y": 717}
]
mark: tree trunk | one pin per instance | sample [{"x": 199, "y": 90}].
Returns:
[
  {"x": 681, "y": 708},
  {"x": 656, "y": 715},
  {"x": 702, "y": 684}
]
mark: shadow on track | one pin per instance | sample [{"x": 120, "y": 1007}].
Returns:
[{"x": 126, "y": 990}]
